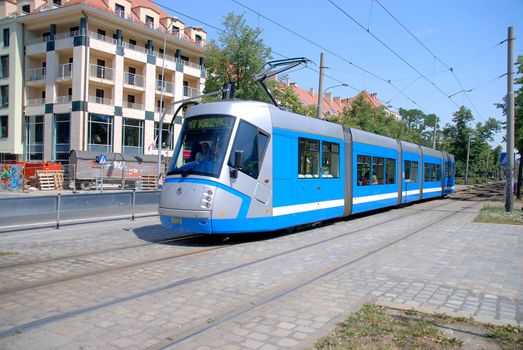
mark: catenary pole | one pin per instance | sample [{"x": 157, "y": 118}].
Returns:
[
  {"x": 467, "y": 166},
  {"x": 509, "y": 198},
  {"x": 320, "y": 89}
]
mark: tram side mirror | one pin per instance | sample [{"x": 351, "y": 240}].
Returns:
[{"x": 238, "y": 163}]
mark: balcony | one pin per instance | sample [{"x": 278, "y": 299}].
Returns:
[
  {"x": 35, "y": 76},
  {"x": 134, "y": 47},
  {"x": 190, "y": 92},
  {"x": 133, "y": 105},
  {"x": 168, "y": 111},
  {"x": 134, "y": 80},
  {"x": 101, "y": 100},
  {"x": 67, "y": 35},
  {"x": 168, "y": 88},
  {"x": 35, "y": 102},
  {"x": 102, "y": 74},
  {"x": 101, "y": 37},
  {"x": 65, "y": 72},
  {"x": 63, "y": 99}
]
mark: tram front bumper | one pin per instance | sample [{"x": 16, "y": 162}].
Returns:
[{"x": 186, "y": 221}]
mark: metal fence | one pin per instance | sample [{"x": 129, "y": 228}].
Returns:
[{"x": 43, "y": 211}]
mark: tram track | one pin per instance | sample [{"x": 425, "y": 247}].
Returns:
[
  {"x": 47, "y": 281},
  {"x": 185, "y": 281}
]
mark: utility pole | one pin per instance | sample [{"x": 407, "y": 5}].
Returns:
[
  {"x": 320, "y": 89},
  {"x": 467, "y": 167},
  {"x": 509, "y": 198},
  {"x": 434, "y": 135}
]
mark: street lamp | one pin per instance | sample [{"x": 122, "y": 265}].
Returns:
[
  {"x": 162, "y": 88},
  {"x": 320, "y": 99}
]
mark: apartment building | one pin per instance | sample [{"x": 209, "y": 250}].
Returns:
[{"x": 87, "y": 75}]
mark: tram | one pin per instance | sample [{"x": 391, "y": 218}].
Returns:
[{"x": 244, "y": 166}]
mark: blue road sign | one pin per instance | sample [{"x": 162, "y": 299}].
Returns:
[
  {"x": 102, "y": 159},
  {"x": 503, "y": 159}
]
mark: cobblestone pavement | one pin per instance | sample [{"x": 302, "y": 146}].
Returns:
[{"x": 283, "y": 292}]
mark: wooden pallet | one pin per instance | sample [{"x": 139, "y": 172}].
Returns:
[
  {"x": 48, "y": 180},
  {"x": 148, "y": 182}
]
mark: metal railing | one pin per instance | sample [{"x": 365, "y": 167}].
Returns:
[
  {"x": 190, "y": 92},
  {"x": 63, "y": 99},
  {"x": 101, "y": 37},
  {"x": 35, "y": 101},
  {"x": 100, "y": 100},
  {"x": 133, "y": 79},
  {"x": 133, "y": 105},
  {"x": 134, "y": 47},
  {"x": 67, "y": 35},
  {"x": 35, "y": 74},
  {"x": 168, "y": 87},
  {"x": 65, "y": 71},
  {"x": 169, "y": 110},
  {"x": 102, "y": 72}
]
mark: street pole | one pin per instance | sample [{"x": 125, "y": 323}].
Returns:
[
  {"x": 509, "y": 198},
  {"x": 434, "y": 135},
  {"x": 467, "y": 167},
  {"x": 320, "y": 88},
  {"x": 488, "y": 155},
  {"x": 162, "y": 88}
]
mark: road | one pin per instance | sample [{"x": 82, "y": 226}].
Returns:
[{"x": 125, "y": 285}]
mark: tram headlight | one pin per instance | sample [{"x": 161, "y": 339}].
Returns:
[{"x": 206, "y": 198}]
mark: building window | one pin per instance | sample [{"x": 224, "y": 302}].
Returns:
[
  {"x": 26, "y": 8},
  {"x": 35, "y": 138},
  {"x": 100, "y": 133},
  {"x": 46, "y": 36},
  {"x": 330, "y": 160},
  {"x": 57, "y": 2},
  {"x": 4, "y": 119},
  {"x": 4, "y": 66},
  {"x": 149, "y": 21},
  {"x": 4, "y": 96},
  {"x": 411, "y": 171},
  {"x": 62, "y": 137},
  {"x": 252, "y": 142},
  {"x": 198, "y": 38},
  {"x": 308, "y": 158},
  {"x": 6, "y": 37},
  {"x": 132, "y": 136},
  {"x": 165, "y": 134},
  {"x": 175, "y": 30},
  {"x": 119, "y": 10}
]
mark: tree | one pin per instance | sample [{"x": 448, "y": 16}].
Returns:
[{"x": 238, "y": 55}]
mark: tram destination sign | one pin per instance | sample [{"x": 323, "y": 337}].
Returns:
[{"x": 209, "y": 123}]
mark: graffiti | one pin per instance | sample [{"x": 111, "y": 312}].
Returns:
[{"x": 11, "y": 178}]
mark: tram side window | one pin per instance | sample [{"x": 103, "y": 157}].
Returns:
[
  {"x": 436, "y": 172},
  {"x": 308, "y": 158},
  {"x": 330, "y": 160},
  {"x": 427, "y": 175},
  {"x": 390, "y": 170},
  {"x": 252, "y": 142},
  {"x": 378, "y": 170},
  {"x": 447, "y": 169},
  {"x": 364, "y": 170},
  {"x": 411, "y": 171}
]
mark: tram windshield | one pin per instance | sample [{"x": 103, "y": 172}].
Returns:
[{"x": 202, "y": 145}]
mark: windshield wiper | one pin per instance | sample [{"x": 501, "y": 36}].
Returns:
[{"x": 188, "y": 170}]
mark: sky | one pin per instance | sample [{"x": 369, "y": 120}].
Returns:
[{"x": 464, "y": 35}]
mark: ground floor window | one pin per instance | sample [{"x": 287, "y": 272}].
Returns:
[
  {"x": 132, "y": 136},
  {"x": 35, "y": 138},
  {"x": 165, "y": 134},
  {"x": 62, "y": 137},
  {"x": 4, "y": 119},
  {"x": 100, "y": 133}
]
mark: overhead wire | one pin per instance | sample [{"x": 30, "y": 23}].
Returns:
[{"x": 388, "y": 81}]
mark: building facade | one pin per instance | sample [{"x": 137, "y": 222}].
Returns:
[{"x": 87, "y": 75}]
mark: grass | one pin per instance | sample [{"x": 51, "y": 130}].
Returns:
[
  {"x": 375, "y": 327},
  {"x": 498, "y": 215},
  {"x": 7, "y": 253}
]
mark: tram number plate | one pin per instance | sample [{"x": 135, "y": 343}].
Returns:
[{"x": 176, "y": 221}]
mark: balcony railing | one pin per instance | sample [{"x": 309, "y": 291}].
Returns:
[
  {"x": 35, "y": 101},
  {"x": 38, "y": 40},
  {"x": 65, "y": 71},
  {"x": 66, "y": 35},
  {"x": 63, "y": 99},
  {"x": 169, "y": 110},
  {"x": 164, "y": 56},
  {"x": 191, "y": 64},
  {"x": 133, "y": 105},
  {"x": 102, "y": 72},
  {"x": 133, "y": 79},
  {"x": 127, "y": 16},
  {"x": 168, "y": 87},
  {"x": 134, "y": 47},
  {"x": 190, "y": 92},
  {"x": 101, "y": 37},
  {"x": 101, "y": 100},
  {"x": 35, "y": 74}
]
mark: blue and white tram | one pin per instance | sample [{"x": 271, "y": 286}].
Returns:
[{"x": 243, "y": 166}]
